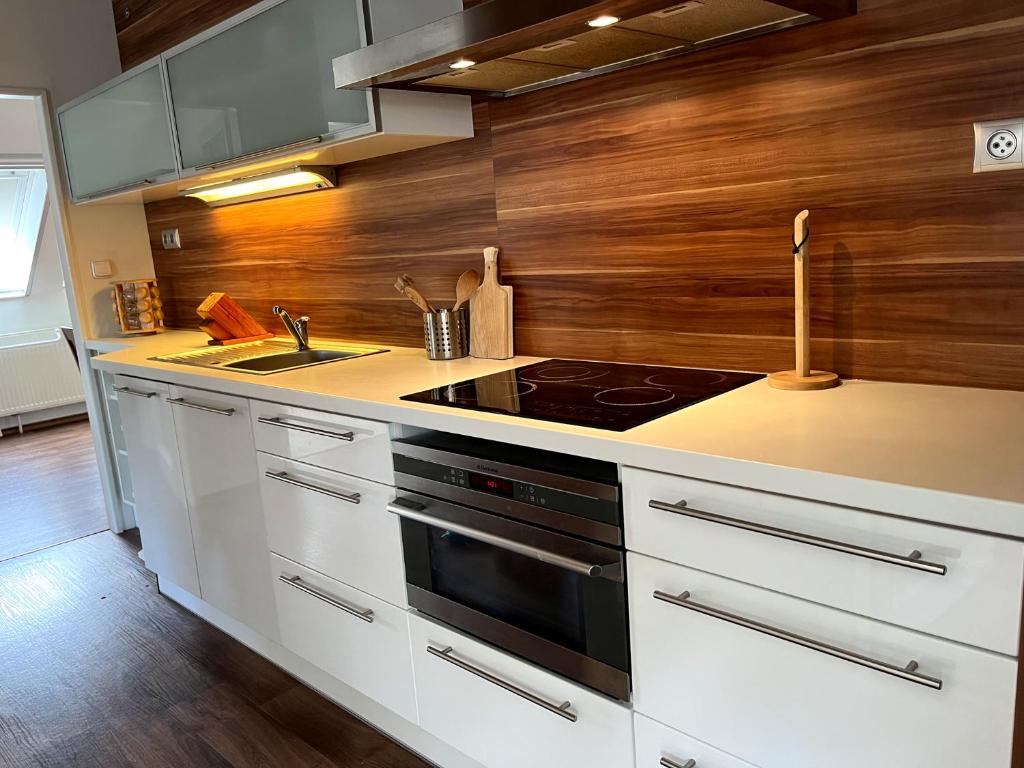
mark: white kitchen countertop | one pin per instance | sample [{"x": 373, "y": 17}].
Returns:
[{"x": 948, "y": 455}]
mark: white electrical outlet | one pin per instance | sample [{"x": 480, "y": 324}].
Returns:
[
  {"x": 997, "y": 146},
  {"x": 171, "y": 239}
]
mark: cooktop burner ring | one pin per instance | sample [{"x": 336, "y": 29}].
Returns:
[
  {"x": 644, "y": 396},
  {"x": 469, "y": 388},
  {"x": 677, "y": 378},
  {"x": 564, "y": 372}
]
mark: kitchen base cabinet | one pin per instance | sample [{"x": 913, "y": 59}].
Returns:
[
  {"x": 784, "y": 683},
  {"x": 353, "y": 636},
  {"x": 658, "y": 746},
  {"x": 506, "y": 713},
  {"x": 961, "y": 585},
  {"x": 160, "y": 506},
  {"x": 218, "y": 460},
  {"x": 335, "y": 524},
  {"x": 345, "y": 444}
]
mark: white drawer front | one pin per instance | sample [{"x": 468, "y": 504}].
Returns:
[
  {"x": 335, "y": 524},
  {"x": 502, "y": 729},
  {"x": 321, "y": 622},
  {"x": 780, "y": 704},
  {"x": 658, "y": 746},
  {"x": 977, "y": 601},
  {"x": 343, "y": 443}
]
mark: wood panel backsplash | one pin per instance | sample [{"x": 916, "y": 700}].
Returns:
[{"x": 646, "y": 216}]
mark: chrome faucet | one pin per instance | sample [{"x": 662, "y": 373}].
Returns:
[{"x": 299, "y": 329}]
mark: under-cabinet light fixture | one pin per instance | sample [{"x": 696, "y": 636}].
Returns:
[
  {"x": 462, "y": 64},
  {"x": 291, "y": 181},
  {"x": 603, "y": 21}
]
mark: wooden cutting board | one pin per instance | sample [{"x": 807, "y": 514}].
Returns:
[{"x": 490, "y": 314}]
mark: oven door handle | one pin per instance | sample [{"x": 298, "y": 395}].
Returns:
[{"x": 612, "y": 571}]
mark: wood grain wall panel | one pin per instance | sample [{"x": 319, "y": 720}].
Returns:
[
  {"x": 146, "y": 28},
  {"x": 646, "y": 216},
  {"x": 335, "y": 254}
]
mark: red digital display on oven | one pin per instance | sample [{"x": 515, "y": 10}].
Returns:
[{"x": 496, "y": 485}]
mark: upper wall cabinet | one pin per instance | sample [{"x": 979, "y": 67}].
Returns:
[
  {"x": 253, "y": 95},
  {"x": 266, "y": 83},
  {"x": 118, "y": 137}
]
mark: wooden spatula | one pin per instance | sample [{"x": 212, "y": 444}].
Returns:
[
  {"x": 405, "y": 285},
  {"x": 469, "y": 281},
  {"x": 490, "y": 314}
]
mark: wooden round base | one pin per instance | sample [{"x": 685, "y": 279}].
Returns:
[{"x": 792, "y": 381}]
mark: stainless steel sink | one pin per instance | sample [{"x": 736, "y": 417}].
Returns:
[
  {"x": 265, "y": 357},
  {"x": 289, "y": 360}
]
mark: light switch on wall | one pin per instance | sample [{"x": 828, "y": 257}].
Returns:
[
  {"x": 103, "y": 268},
  {"x": 171, "y": 239}
]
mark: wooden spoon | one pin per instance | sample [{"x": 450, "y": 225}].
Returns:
[
  {"x": 469, "y": 281},
  {"x": 405, "y": 285}
]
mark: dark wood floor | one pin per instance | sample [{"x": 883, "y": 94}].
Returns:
[
  {"x": 98, "y": 670},
  {"x": 49, "y": 488}
]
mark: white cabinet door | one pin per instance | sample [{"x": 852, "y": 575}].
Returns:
[
  {"x": 218, "y": 459},
  {"x": 658, "y": 746},
  {"x": 506, "y": 713},
  {"x": 963, "y": 586},
  {"x": 160, "y": 507},
  {"x": 345, "y": 444},
  {"x": 335, "y": 524},
  {"x": 784, "y": 683},
  {"x": 358, "y": 639},
  {"x": 119, "y": 137}
]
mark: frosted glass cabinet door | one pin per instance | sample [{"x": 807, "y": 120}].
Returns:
[
  {"x": 118, "y": 138},
  {"x": 266, "y": 82}
]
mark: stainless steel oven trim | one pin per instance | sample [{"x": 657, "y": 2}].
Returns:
[
  {"x": 585, "y": 557},
  {"x": 563, "y": 661},
  {"x": 550, "y": 518},
  {"x": 589, "y": 488}
]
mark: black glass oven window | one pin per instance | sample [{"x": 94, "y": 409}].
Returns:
[{"x": 534, "y": 596}]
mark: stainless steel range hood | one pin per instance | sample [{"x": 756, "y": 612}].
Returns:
[{"x": 508, "y": 47}]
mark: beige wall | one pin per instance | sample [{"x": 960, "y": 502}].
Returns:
[
  {"x": 100, "y": 232},
  {"x": 65, "y": 46},
  {"x": 69, "y": 47}
]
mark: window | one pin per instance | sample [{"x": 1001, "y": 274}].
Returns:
[{"x": 22, "y": 203}]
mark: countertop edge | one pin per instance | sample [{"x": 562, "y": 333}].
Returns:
[{"x": 974, "y": 513}]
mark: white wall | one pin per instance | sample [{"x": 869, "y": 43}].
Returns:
[
  {"x": 65, "y": 46},
  {"x": 46, "y": 305},
  {"x": 69, "y": 47}
]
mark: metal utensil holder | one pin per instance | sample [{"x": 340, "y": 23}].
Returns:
[{"x": 446, "y": 334}]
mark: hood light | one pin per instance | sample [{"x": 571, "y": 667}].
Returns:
[
  {"x": 603, "y": 21},
  {"x": 301, "y": 178},
  {"x": 462, "y": 64}
]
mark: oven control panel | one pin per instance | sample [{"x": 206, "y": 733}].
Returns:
[{"x": 498, "y": 486}]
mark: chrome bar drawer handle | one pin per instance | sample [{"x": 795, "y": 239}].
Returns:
[
  {"x": 284, "y": 477},
  {"x": 209, "y": 409},
  {"x": 276, "y": 421},
  {"x": 135, "y": 392},
  {"x": 365, "y": 614},
  {"x": 909, "y": 672},
  {"x": 667, "y": 762},
  {"x": 562, "y": 710},
  {"x": 913, "y": 560}
]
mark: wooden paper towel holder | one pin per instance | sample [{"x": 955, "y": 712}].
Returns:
[{"x": 802, "y": 378}]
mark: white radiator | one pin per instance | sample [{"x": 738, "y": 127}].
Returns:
[{"x": 37, "y": 371}]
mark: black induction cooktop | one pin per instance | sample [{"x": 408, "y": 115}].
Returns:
[{"x": 612, "y": 396}]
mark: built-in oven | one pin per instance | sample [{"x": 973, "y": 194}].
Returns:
[{"x": 521, "y": 548}]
